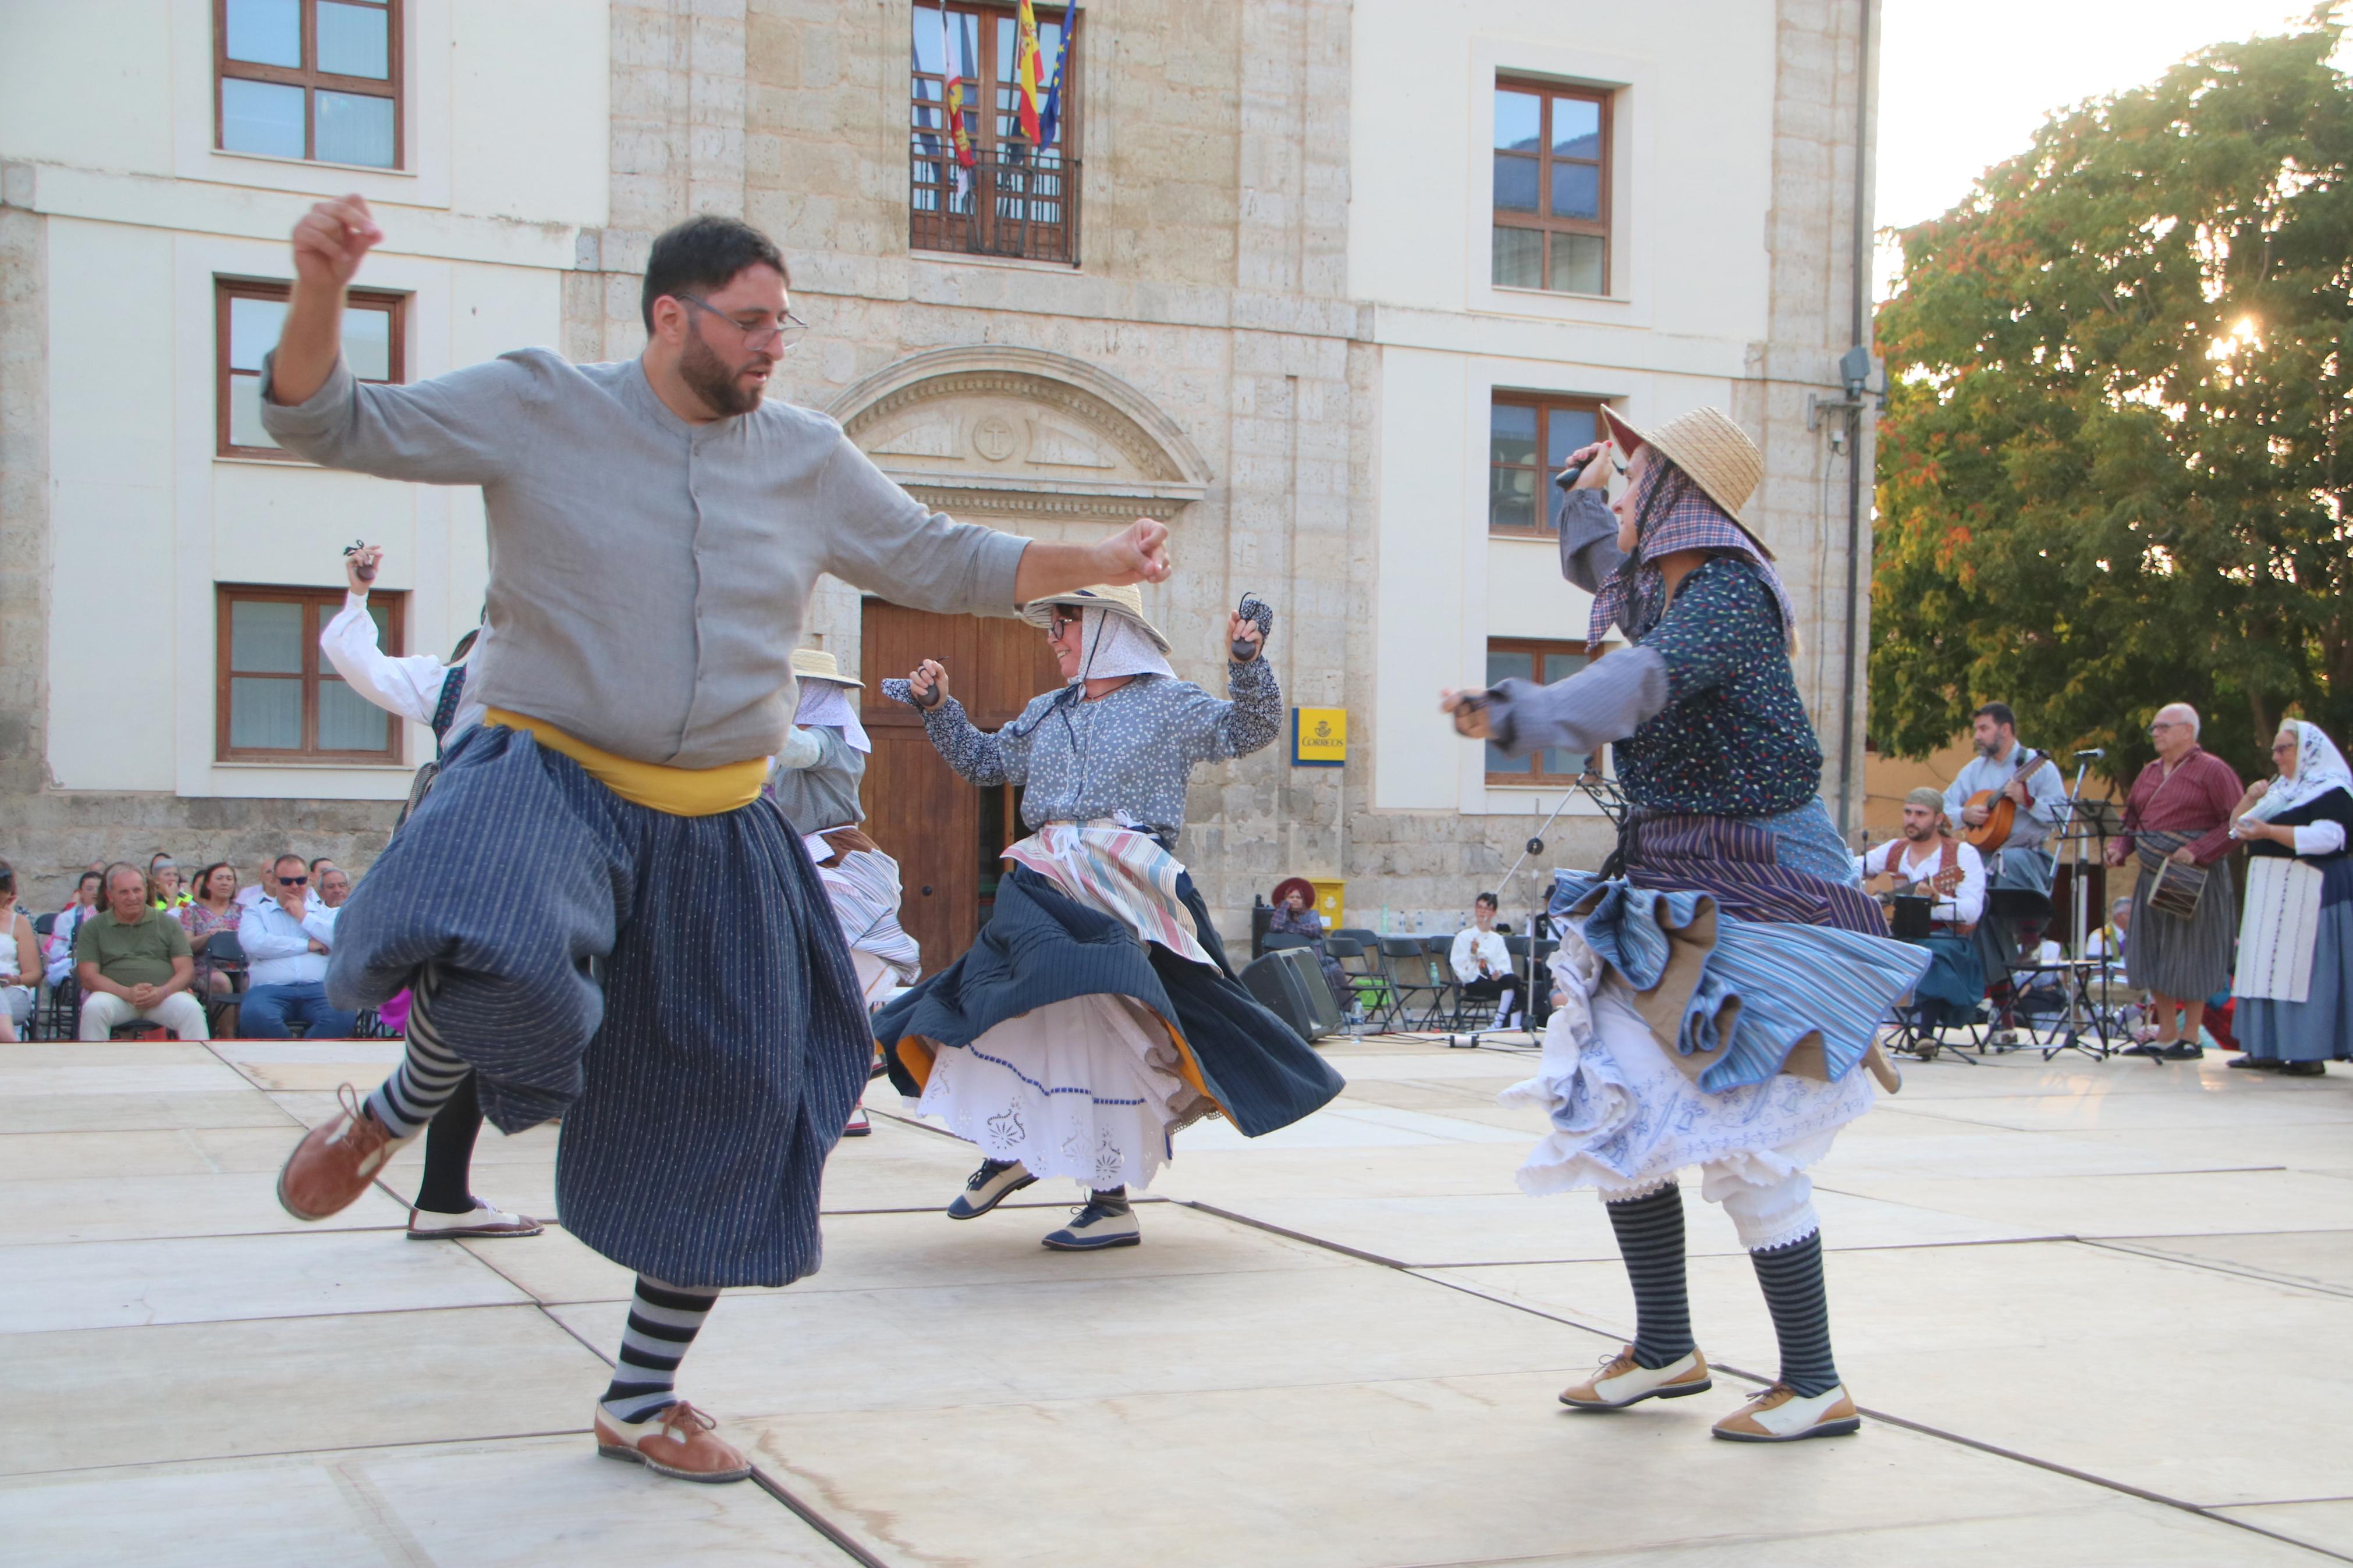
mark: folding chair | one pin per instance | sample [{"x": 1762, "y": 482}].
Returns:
[
  {"x": 1368, "y": 988},
  {"x": 226, "y": 954},
  {"x": 1411, "y": 976}
]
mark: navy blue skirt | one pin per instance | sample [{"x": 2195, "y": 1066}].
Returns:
[
  {"x": 1042, "y": 946},
  {"x": 702, "y": 1085}
]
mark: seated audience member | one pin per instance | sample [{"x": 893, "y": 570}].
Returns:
[
  {"x": 214, "y": 910},
  {"x": 164, "y": 889},
  {"x": 334, "y": 885},
  {"x": 89, "y": 898},
  {"x": 20, "y": 959},
  {"x": 1928, "y": 862},
  {"x": 285, "y": 940},
  {"x": 133, "y": 963},
  {"x": 2040, "y": 993},
  {"x": 2107, "y": 943},
  {"x": 1293, "y": 916},
  {"x": 1482, "y": 964}
]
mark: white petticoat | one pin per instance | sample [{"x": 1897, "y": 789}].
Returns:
[
  {"x": 1625, "y": 1119},
  {"x": 1086, "y": 1089}
]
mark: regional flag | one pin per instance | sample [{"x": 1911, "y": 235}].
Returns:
[
  {"x": 1049, "y": 119},
  {"x": 1025, "y": 71}
]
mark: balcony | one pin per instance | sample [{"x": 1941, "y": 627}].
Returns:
[{"x": 1016, "y": 203}]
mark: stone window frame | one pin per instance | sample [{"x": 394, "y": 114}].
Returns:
[
  {"x": 310, "y": 79},
  {"x": 1542, "y": 220},
  {"x": 1551, "y": 661},
  {"x": 1545, "y": 509},
  {"x": 225, "y": 289},
  {"x": 319, "y": 605},
  {"x": 928, "y": 229}
]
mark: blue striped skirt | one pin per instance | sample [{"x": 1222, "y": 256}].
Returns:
[{"x": 702, "y": 1085}]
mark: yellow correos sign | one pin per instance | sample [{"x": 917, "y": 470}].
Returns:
[{"x": 1319, "y": 737}]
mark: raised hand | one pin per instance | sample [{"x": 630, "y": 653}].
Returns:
[
  {"x": 332, "y": 239},
  {"x": 1239, "y": 631},
  {"x": 1137, "y": 553},
  {"x": 928, "y": 683},
  {"x": 1470, "y": 711},
  {"x": 360, "y": 567}
]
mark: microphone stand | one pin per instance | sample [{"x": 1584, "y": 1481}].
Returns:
[
  {"x": 2078, "y": 994},
  {"x": 1605, "y": 793}
]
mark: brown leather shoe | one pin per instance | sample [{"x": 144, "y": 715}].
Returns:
[
  {"x": 336, "y": 1160},
  {"x": 676, "y": 1440},
  {"x": 1782, "y": 1415},
  {"x": 1620, "y": 1381}
]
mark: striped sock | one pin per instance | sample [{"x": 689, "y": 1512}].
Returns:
[
  {"x": 1651, "y": 1238},
  {"x": 1791, "y": 1277},
  {"x": 425, "y": 1080},
  {"x": 663, "y": 1322}
]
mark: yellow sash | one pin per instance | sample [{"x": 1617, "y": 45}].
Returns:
[{"x": 681, "y": 791}]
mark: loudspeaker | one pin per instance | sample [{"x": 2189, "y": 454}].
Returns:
[{"x": 1289, "y": 983}]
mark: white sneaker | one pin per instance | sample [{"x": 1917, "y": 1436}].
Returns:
[
  {"x": 1621, "y": 1381},
  {"x": 482, "y": 1220},
  {"x": 1782, "y": 1415}
]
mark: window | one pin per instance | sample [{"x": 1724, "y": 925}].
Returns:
[
  {"x": 1544, "y": 663},
  {"x": 1552, "y": 188},
  {"x": 247, "y": 317},
  {"x": 278, "y": 700},
  {"x": 309, "y": 79},
  {"x": 1528, "y": 440},
  {"x": 1005, "y": 191}
]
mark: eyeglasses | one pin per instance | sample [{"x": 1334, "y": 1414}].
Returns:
[
  {"x": 757, "y": 334},
  {"x": 2279, "y": 746},
  {"x": 2163, "y": 724},
  {"x": 294, "y": 881},
  {"x": 1060, "y": 621}
]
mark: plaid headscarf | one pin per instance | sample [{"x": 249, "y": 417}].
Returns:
[{"x": 1683, "y": 518}]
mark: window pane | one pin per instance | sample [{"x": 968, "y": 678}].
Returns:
[
  {"x": 267, "y": 32},
  {"x": 355, "y": 129},
  {"x": 1577, "y": 263},
  {"x": 253, "y": 327},
  {"x": 382, "y": 617},
  {"x": 1519, "y": 257},
  {"x": 368, "y": 343},
  {"x": 1511, "y": 499},
  {"x": 1500, "y": 666},
  {"x": 1569, "y": 428},
  {"x": 354, "y": 40},
  {"x": 1577, "y": 190},
  {"x": 348, "y": 721},
  {"x": 1563, "y": 765},
  {"x": 928, "y": 35},
  {"x": 245, "y": 413},
  {"x": 264, "y": 117},
  {"x": 265, "y": 636},
  {"x": 267, "y": 713},
  {"x": 1576, "y": 128},
  {"x": 1516, "y": 183},
  {"x": 1519, "y": 123},
  {"x": 1511, "y": 434}
]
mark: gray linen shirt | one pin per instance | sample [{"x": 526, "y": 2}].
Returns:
[
  {"x": 649, "y": 576},
  {"x": 823, "y": 795}
]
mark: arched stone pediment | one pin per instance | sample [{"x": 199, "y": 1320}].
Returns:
[{"x": 1006, "y": 431}]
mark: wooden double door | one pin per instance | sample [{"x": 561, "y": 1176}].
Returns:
[{"x": 947, "y": 836}]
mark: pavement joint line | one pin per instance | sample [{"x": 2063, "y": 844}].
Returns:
[
  {"x": 809, "y": 1516},
  {"x": 298, "y": 1453},
  {"x": 1922, "y": 1428},
  {"x": 2240, "y": 1271}
]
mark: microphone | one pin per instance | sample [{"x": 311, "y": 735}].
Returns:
[{"x": 2095, "y": 752}]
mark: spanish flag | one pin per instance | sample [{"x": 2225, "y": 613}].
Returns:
[{"x": 1025, "y": 71}]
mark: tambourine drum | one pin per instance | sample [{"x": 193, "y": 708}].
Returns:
[{"x": 2177, "y": 891}]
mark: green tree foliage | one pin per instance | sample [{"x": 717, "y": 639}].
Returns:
[{"x": 2114, "y": 468}]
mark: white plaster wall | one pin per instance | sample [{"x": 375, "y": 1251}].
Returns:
[
  {"x": 529, "y": 110},
  {"x": 86, "y": 84}
]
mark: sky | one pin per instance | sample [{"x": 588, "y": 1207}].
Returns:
[{"x": 1963, "y": 83}]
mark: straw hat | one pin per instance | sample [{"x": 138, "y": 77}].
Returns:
[
  {"x": 816, "y": 664},
  {"x": 1127, "y": 601},
  {"x": 1705, "y": 443}
]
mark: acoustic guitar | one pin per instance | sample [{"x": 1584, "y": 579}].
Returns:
[
  {"x": 2001, "y": 812},
  {"x": 1893, "y": 884}
]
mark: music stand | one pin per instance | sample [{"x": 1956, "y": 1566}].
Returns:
[{"x": 2082, "y": 824}]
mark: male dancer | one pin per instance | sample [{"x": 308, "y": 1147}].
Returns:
[
  {"x": 655, "y": 533},
  {"x": 422, "y": 687}
]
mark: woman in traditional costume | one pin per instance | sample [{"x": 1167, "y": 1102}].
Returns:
[
  {"x": 815, "y": 783},
  {"x": 2295, "y": 975},
  {"x": 1096, "y": 1014},
  {"x": 1722, "y": 982}
]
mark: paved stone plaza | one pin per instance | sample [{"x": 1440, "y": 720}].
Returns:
[{"x": 2098, "y": 1312}]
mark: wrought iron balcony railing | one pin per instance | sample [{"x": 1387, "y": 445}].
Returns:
[{"x": 1015, "y": 201}]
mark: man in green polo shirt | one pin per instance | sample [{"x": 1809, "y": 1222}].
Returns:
[{"x": 134, "y": 963}]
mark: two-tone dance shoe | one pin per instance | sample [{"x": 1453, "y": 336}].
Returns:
[
  {"x": 996, "y": 1181},
  {"x": 483, "y": 1222},
  {"x": 1782, "y": 1415},
  {"x": 858, "y": 1127},
  {"x": 1620, "y": 1381},
  {"x": 336, "y": 1160},
  {"x": 1097, "y": 1227},
  {"x": 677, "y": 1440}
]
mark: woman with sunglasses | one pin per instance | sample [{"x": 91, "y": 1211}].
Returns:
[
  {"x": 2294, "y": 974},
  {"x": 1096, "y": 1014}
]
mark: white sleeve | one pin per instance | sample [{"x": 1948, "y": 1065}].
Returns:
[
  {"x": 409, "y": 687},
  {"x": 803, "y": 749},
  {"x": 2320, "y": 838},
  {"x": 1460, "y": 959},
  {"x": 1969, "y": 898}
]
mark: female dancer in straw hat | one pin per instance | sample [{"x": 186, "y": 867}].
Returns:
[
  {"x": 814, "y": 784},
  {"x": 1722, "y": 982},
  {"x": 1096, "y": 1014}
]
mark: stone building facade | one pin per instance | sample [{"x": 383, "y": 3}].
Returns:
[{"x": 1280, "y": 333}]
